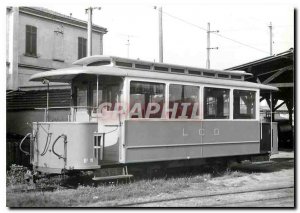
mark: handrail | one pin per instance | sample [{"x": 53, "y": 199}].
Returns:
[
  {"x": 71, "y": 108},
  {"x": 65, "y": 141},
  {"x": 67, "y": 107},
  {"x": 20, "y": 145}
]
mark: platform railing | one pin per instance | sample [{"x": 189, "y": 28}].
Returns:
[{"x": 72, "y": 115}]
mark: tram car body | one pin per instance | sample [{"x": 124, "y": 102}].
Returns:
[{"x": 126, "y": 111}]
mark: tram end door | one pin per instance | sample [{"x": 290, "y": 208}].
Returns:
[
  {"x": 98, "y": 146},
  {"x": 107, "y": 137},
  {"x": 274, "y": 142},
  {"x": 269, "y": 137}
]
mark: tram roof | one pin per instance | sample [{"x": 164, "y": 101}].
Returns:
[
  {"x": 66, "y": 75},
  {"x": 115, "y": 61}
]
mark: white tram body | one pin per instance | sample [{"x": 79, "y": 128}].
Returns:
[{"x": 216, "y": 114}]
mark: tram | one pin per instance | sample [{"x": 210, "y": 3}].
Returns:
[{"x": 124, "y": 111}]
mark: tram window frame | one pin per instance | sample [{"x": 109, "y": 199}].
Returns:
[
  {"x": 159, "y": 114},
  {"x": 216, "y": 114},
  {"x": 109, "y": 91},
  {"x": 183, "y": 98},
  {"x": 237, "y": 94}
]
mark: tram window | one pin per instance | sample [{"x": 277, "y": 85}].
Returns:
[
  {"x": 177, "y": 70},
  {"x": 183, "y": 101},
  {"x": 236, "y": 77},
  {"x": 223, "y": 76},
  {"x": 142, "y": 66},
  {"x": 209, "y": 74},
  {"x": 95, "y": 104},
  {"x": 142, "y": 94},
  {"x": 111, "y": 94},
  {"x": 165, "y": 69},
  {"x": 85, "y": 91},
  {"x": 123, "y": 64},
  {"x": 243, "y": 104},
  {"x": 99, "y": 63},
  {"x": 194, "y": 72},
  {"x": 216, "y": 103},
  {"x": 81, "y": 92}
]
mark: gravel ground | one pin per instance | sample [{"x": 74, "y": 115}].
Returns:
[
  {"x": 279, "y": 173},
  {"x": 264, "y": 184}
]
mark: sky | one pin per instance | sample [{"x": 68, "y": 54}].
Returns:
[{"x": 184, "y": 29}]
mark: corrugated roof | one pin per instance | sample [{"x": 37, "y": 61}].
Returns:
[
  {"x": 37, "y": 99},
  {"x": 283, "y": 55}
]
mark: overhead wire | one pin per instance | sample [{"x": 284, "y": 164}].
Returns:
[{"x": 217, "y": 34}]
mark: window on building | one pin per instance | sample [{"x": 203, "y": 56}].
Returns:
[
  {"x": 243, "y": 104},
  {"x": 82, "y": 45},
  {"x": 31, "y": 40},
  {"x": 216, "y": 103},
  {"x": 183, "y": 101},
  {"x": 146, "y": 99}
]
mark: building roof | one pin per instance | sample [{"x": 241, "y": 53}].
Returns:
[
  {"x": 270, "y": 60},
  {"x": 277, "y": 70},
  {"x": 55, "y": 16}
]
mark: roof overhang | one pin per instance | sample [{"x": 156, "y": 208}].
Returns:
[{"x": 66, "y": 76}]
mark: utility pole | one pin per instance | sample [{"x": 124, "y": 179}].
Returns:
[
  {"x": 161, "y": 54},
  {"x": 89, "y": 11},
  {"x": 271, "y": 39},
  {"x": 128, "y": 44},
  {"x": 208, "y": 45}
]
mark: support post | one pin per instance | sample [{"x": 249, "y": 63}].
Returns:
[
  {"x": 89, "y": 31},
  {"x": 271, "y": 124},
  {"x": 208, "y": 45},
  {"x": 89, "y": 11},
  {"x": 161, "y": 57},
  {"x": 271, "y": 39},
  {"x": 97, "y": 93},
  {"x": 47, "y": 113}
]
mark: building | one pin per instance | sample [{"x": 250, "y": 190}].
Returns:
[
  {"x": 37, "y": 40},
  {"x": 277, "y": 70}
]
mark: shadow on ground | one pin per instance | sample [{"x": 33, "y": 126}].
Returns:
[{"x": 277, "y": 163}]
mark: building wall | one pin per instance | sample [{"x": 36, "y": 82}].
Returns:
[
  {"x": 57, "y": 46},
  {"x": 12, "y": 14}
]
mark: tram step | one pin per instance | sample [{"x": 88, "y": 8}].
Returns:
[
  {"x": 262, "y": 162},
  {"x": 111, "y": 173},
  {"x": 113, "y": 177}
]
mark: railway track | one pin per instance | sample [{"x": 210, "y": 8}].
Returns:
[{"x": 156, "y": 202}]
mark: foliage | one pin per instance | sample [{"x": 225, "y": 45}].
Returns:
[{"x": 16, "y": 175}]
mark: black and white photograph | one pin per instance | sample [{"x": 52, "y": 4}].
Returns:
[{"x": 149, "y": 104}]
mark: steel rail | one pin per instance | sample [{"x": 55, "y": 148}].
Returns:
[
  {"x": 204, "y": 196},
  {"x": 250, "y": 201}
]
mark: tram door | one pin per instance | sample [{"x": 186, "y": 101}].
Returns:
[
  {"x": 268, "y": 144},
  {"x": 98, "y": 146}
]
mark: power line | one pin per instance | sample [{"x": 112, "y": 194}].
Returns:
[{"x": 220, "y": 35}]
